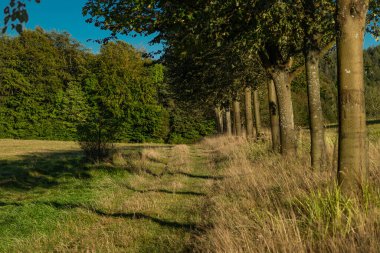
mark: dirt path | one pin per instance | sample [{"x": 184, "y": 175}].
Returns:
[{"x": 163, "y": 198}]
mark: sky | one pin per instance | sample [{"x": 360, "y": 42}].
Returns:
[{"x": 66, "y": 16}]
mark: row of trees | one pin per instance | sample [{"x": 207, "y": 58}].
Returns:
[
  {"x": 44, "y": 78},
  {"x": 53, "y": 88},
  {"x": 215, "y": 49},
  {"x": 328, "y": 95}
]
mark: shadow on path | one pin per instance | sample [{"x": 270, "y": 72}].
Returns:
[
  {"x": 131, "y": 216},
  {"x": 196, "y": 176},
  {"x": 173, "y": 173},
  {"x": 191, "y": 193}
]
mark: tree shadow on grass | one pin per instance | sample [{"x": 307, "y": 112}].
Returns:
[
  {"x": 131, "y": 215},
  {"x": 189, "y": 193},
  {"x": 196, "y": 175},
  {"x": 42, "y": 170},
  {"x": 166, "y": 171}
]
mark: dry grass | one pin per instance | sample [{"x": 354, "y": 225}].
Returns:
[
  {"x": 172, "y": 199},
  {"x": 180, "y": 158},
  {"x": 271, "y": 204},
  {"x": 145, "y": 201},
  {"x": 11, "y": 149}
]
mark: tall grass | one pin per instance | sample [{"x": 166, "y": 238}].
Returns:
[{"x": 270, "y": 204}]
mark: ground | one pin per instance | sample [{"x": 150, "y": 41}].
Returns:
[
  {"x": 149, "y": 200},
  {"x": 221, "y": 195}
]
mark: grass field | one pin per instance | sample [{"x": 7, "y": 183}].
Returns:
[
  {"x": 147, "y": 201},
  {"x": 270, "y": 204},
  {"x": 221, "y": 195}
]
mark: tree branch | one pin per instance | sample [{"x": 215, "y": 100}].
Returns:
[{"x": 296, "y": 72}]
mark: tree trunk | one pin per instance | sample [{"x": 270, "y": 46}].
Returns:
[
  {"x": 353, "y": 141},
  {"x": 233, "y": 122},
  {"x": 274, "y": 117},
  {"x": 217, "y": 122},
  {"x": 219, "y": 119},
  {"x": 228, "y": 121},
  {"x": 248, "y": 111},
  {"x": 281, "y": 80},
  {"x": 237, "y": 119},
  {"x": 317, "y": 132},
  {"x": 256, "y": 104}
]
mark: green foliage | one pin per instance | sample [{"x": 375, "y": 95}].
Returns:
[
  {"x": 16, "y": 14},
  {"x": 372, "y": 66},
  {"x": 34, "y": 82},
  {"x": 52, "y": 88},
  {"x": 372, "y": 80},
  {"x": 185, "y": 129},
  {"x": 329, "y": 91},
  {"x": 146, "y": 123}
]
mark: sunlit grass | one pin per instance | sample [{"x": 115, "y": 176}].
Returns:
[
  {"x": 52, "y": 201},
  {"x": 222, "y": 195},
  {"x": 271, "y": 204}
]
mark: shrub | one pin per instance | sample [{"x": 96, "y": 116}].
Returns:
[{"x": 96, "y": 139}]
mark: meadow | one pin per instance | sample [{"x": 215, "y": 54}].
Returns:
[
  {"x": 145, "y": 201},
  {"x": 224, "y": 194}
]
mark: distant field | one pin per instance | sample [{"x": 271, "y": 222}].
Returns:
[
  {"x": 17, "y": 148},
  {"x": 10, "y": 148},
  {"x": 373, "y": 131},
  {"x": 369, "y": 123}
]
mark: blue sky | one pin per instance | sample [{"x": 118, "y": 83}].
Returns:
[{"x": 66, "y": 15}]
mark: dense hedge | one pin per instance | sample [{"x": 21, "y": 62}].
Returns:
[{"x": 51, "y": 87}]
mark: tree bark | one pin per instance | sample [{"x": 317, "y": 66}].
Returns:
[
  {"x": 233, "y": 122},
  {"x": 219, "y": 119},
  {"x": 274, "y": 117},
  {"x": 248, "y": 111},
  {"x": 237, "y": 118},
  {"x": 221, "y": 122},
  {"x": 281, "y": 78},
  {"x": 317, "y": 132},
  {"x": 353, "y": 141},
  {"x": 256, "y": 104},
  {"x": 228, "y": 121}
]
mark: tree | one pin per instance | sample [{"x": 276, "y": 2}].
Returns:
[
  {"x": 228, "y": 120},
  {"x": 318, "y": 36},
  {"x": 279, "y": 45},
  {"x": 37, "y": 111},
  {"x": 274, "y": 117},
  {"x": 219, "y": 119},
  {"x": 16, "y": 14},
  {"x": 237, "y": 117},
  {"x": 256, "y": 105},
  {"x": 248, "y": 111},
  {"x": 352, "y": 161}
]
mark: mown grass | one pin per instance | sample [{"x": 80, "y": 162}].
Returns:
[{"x": 146, "y": 201}]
